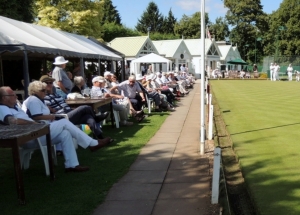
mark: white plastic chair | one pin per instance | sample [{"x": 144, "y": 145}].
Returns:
[
  {"x": 25, "y": 156},
  {"x": 116, "y": 117},
  {"x": 149, "y": 103}
]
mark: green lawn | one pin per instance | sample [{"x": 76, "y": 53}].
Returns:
[
  {"x": 75, "y": 193},
  {"x": 263, "y": 120}
]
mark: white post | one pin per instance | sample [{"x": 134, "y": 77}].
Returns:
[
  {"x": 202, "y": 87},
  {"x": 216, "y": 176},
  {"x": 210, "y": 122}
]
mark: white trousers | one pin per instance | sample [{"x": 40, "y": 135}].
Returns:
[
  {"x": 290, "y": 75},
  {"x": 82, "y": 138}
]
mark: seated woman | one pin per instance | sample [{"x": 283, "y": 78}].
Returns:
[
  {"x": 78, "y": 84},
  {"x": 81, "y": 115},
  {"x": 36, "y": 109}
]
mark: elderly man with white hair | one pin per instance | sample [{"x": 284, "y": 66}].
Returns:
[
  {"x": 119, "y": 102},
  {"x": 107, "y": 75}
]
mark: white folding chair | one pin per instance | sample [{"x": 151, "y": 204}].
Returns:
[
  {"x": 25, "y": 156},
  {"x": 149, "y": 103}
]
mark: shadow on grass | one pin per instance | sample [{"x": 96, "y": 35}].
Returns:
[
  {"x": 75, "y": 193},
  {"x": 264, "y": 128}
]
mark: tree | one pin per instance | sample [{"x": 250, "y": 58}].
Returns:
[
  {"x": 169, "y": 23},
  {"x": 219, "y": 30},
  {"x": 151, "y": 19},
  {"x": 248, "y": 21},
  {"x": 284, "y": 33},
  {"x": 76, "y": 16},
  {"x": 189, "y": 27},
  {"x": 112, "y": 30},
  {"x": 19, "y": 10},
  {"x": 110, "y": 13}
]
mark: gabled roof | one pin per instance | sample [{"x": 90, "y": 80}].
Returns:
[
  {"x": 195, "y": 47},
  {"x": 228, "y": 51},
  {"x": 131, "y": 46},
  {"x": 168, "y": 48}
]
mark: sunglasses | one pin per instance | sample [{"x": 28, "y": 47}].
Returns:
[
  {"x": 43, "y": 90},
  {"x": 49, "y": 83}
]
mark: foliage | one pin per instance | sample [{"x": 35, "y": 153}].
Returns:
[
  {"x": 169, "y": 23},
  {"x": 112, "y": 30},
  {"x": 220, "y": 29},
  {"x": 15, "y": 9},
  {"x": 75, "y": 16},
  {"x": 159, "y": 36},
  {"x": 189, "y": 27},
  {"x": 249, "y": 22},
  {"x": 110, "y": 13},
  {"x": 284, "y": 34},
  {"x": 151, "y": 19}
]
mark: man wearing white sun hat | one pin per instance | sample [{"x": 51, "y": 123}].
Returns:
[{"x": 62, "y": 83}]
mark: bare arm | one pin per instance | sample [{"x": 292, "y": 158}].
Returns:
[{"x": 44, "y": 117}]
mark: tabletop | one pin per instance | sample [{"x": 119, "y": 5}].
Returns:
[
  {"x": 16, "y": 131},
  {"x": 88, "y": 101}
]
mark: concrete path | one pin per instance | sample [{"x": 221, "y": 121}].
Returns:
[{"x": 169, "y": 176}]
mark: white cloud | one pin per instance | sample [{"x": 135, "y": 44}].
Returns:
[{"x": 189, "y": 5}]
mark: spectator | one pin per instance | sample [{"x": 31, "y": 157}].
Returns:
[
  {"x": 107, "y": 76},
  {"x": 79, "y": 84},
  {"x": 62, "y": 82},
  {"x": 129, "y": 89},
  {"x": 37, "y": 110},
  {"x": 81, "y": 115}
]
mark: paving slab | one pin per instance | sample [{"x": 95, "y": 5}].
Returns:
[
  {"x": 194, "y": 206},
  {"x": 184, "y": 190},
  {"x": 134, "y": 207},
  {"x": 133, "y": 191},
  {"x": 143, "y": 176}
]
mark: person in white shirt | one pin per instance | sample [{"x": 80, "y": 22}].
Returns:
[
  {"x": 272, "y": 74},
  {"x": 276, "y": 72},
  {"x": 290, "y": 72}
]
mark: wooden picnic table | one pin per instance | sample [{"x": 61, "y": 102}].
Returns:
[
  {"x": 14, "y": 136},
  {"x": 94, "y": 103}
]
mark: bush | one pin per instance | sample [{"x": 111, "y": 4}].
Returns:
[{"x": 263, "y": 75}]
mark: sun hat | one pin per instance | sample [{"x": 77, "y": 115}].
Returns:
[
  {"x": 139, "y": 77},
  {"x": 98, "y": 79},
  {"x": 45, "y": 78},
  {"x": 158, "y": 73},
  {"x": 60, "y": 60}
]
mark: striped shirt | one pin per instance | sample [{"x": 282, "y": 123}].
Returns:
[{"x": 56, "y": 102}]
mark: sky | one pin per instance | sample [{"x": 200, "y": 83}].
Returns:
[{"x": 132, "y": 10}]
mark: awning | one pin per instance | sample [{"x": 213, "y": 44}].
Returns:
[{"x": 237, "y": 61}]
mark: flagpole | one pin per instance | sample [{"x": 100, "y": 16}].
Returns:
[{"x": 202, "y": 87}]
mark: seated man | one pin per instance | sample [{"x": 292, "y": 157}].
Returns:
[
  {"x": 81, "y": 115},
  {"x": 61, "y": 133},
  {"x": 130, "y": 89},
  {"x": 119, "y": 102}
]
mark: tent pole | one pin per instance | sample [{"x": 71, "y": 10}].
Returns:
[
  {"x": 99, "y": 63},
  {"x": 82, "y": 67},
  {"x": 123, "y": 69},
  {"x": 25, "y": 73},
  {"x": 1, "y": 72}
]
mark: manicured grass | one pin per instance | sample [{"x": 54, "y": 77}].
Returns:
[
  {"x": 263, "y": 121},
  {"x": 75, "y": 193}
]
